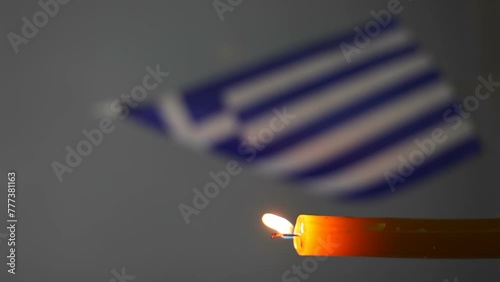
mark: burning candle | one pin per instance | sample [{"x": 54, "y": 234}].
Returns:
[{"x": 315, "y": 235}]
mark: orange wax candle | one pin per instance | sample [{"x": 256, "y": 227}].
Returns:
[{"x": 315, "y": 235}]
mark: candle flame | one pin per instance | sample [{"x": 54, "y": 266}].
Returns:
[{"x": 278, "y": 223}]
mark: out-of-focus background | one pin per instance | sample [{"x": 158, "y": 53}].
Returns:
[{"x": 119, "y": 207}]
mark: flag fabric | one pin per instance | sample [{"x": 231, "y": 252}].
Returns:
[{"x": 343, "y": 126}]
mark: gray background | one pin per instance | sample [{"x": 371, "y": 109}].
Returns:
[{"x": 119, "y": 207}]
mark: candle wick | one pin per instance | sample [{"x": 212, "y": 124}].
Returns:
[{"x": 283, "y": 236}]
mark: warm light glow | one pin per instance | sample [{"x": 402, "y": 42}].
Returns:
[{"x": 277, "y": 223}]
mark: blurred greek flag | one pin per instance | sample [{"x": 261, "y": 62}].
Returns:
[{"x": 352, "y": 116}]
